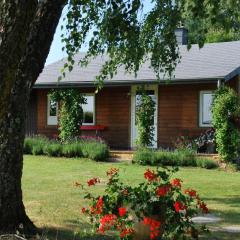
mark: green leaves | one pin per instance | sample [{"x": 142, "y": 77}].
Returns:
[
  {"x": 225, "y": 109},
  {"x": 145, "y": 119},
  {"x": 71, "y": 112},
  {"x": 121, "y": 30}
]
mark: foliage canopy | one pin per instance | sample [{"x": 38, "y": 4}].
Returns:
[{"x": 130, "y": 36}]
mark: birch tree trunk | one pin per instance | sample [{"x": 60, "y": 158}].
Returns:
[{"x": 27, "y": 28}]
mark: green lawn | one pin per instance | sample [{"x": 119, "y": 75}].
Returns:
[{"x": 54, "y": 203}]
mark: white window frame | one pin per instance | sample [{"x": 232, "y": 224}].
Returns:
[
  {"x": 94, "y": 109},
  {"x": 51, "y": 120},
  {"x": 201, "y": 124}
]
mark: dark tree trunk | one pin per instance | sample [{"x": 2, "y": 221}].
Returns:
[{"x": 26, "y": 32}]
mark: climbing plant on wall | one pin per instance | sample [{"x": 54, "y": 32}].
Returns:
[
  {"x": 71, "y": 112},
  {"x": 225, "y": 110},
  {"x": 145, "y": 109}
]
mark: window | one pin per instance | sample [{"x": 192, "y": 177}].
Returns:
[
  {"x": 205, "y": 116},
  {"x": 52, "y": 110},
  {"x": 89, "y": 110}
]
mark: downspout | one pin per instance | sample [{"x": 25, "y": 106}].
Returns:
[{"x": 220, "y": 83}]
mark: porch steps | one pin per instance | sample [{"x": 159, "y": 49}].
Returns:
[
  {"x": 116, "y": 155},
  {"x": 127, "y": 155},
  {"x": 207, "y": 155}
]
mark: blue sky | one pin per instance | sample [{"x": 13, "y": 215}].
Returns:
[{"x": 56, "y": 52}]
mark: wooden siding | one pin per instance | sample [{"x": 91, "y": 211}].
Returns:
[
  {"x": 112, "y": 110},
  {"x": 113, "y": 107},
  {"x": 234, "y": 83},
  {"x": 178, "y": 112},
  {"x": 43, "y": 128}
]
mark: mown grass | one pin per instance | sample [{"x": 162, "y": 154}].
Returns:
[{"x": 53, "y": 202}]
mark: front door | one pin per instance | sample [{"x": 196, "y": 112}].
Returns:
[{"x": 152, "y": 90}]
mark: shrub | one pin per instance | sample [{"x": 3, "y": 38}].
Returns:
[
  {"x": 146, "y": 156},
  {"x": 53, "y": 149},
  {"x": 73, "y": 149},
  {"x": 184, "y": 157},
  {"x": 35, "y": 145},
  {"x": 225, "y": 109},
  {"x": 165, "y": 158},
  {"x": 158, "y": 205},
  {"x": 95, "y": 150},
  {"x": 37, "y": 149},
  {"x": 206, "y": 163}
]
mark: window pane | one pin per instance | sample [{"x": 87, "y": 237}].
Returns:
[
  {"x": 52, "y": 112},
  {"x": 52, "y": 108},
  {"x": 88, "y": 110},
  {"x": 206, "y": 108}
]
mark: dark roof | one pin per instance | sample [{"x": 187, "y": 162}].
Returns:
[{"x": 212, "y": 62}]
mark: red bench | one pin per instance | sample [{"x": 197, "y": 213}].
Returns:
[{"x": 93, "y": 128}]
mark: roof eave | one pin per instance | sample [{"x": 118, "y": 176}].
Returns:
[
  {"x": 232, "y": 74},
  {"x": 125, "y": 83}
]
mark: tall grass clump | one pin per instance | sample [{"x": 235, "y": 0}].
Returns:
[
  {"x": 35, "y": 145},
  {"x": 95, "y": 150},
  {"x": 72, "y": 149},
  {"x": 206, "y": 163},
  {"x": 181, "y": 157},
  {"x": 53, "y": 149}
]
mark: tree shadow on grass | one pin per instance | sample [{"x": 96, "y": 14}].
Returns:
[
  {"x": 230, "y": 217},
  {"x": 82, "y": 233},
  {"x": 220, "y": 236},
  {"x": 233, "y": 200}
]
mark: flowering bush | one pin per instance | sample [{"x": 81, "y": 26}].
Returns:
[
  {"x": 184, "y": 142},
  {"x": 158, "y": 203},
  {"x": 205, "y": 140}
]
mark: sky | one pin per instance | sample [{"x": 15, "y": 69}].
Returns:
[{"x": 56, "y": 52}]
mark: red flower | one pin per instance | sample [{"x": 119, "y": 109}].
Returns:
[
  {"x": 98, "y": 208},
  {"x": 126, "y": 231},
  {"x": 150, "y": 175},
  {"x": 99, "y": 205},
  {"x": 93, "y": 181},
  {"x": 204, "y": 208},
  {"x": 192, "y": 193},
  {"x": 106, "y": 222},
  {"x": 112, "y": 171},
  {"x": 179, "y": 206},
  {"x": 83, "y": 210},
  {"x": 162, "y": 191},
  {"x": 154, "y": 227},
  {"x": 122, "y": 211},
  {"x": 176, "y": 182}
]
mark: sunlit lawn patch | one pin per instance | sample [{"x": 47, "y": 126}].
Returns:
[{"x": 53, "y": 202}]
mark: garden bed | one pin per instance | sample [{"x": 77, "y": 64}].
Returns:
[
  {"x": 88, "y": 147},
  {"x": 182, "y": 157}
]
